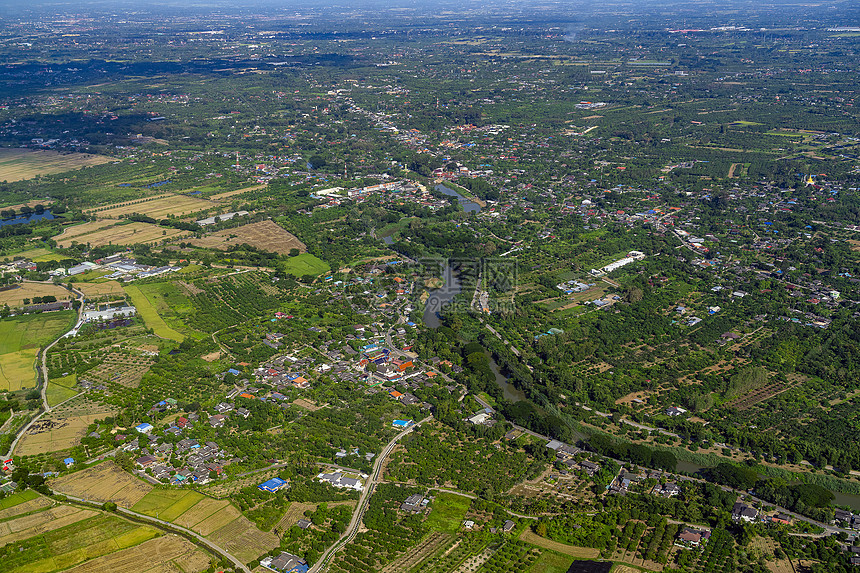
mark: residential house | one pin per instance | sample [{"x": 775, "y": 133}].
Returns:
[{"x": 743, "y": 512}]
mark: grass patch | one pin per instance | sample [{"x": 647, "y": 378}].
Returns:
[
  {"x": 306, "y": 264},
  {"x": 448, "y": 511},
  {"x": 149, "y": 314},
  {"x": 17, "y": 370},
  {"x": 34, "y": 330},
  {"x": 551, "y": 562},
  {"x": 17, "y": 498},
  {"x": 91, "y": 275},
  {"x": 57, "y": 394}
]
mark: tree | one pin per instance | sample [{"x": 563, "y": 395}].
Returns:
[{"x": 109, "y": 506}]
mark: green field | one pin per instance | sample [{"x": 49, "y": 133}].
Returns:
[
  {"x": 67, "y": 546},
  {"x": 305, "y": 264},
  {"x": 448, "y": 510},
  {"x": 17, "y": 498},
  {"x": 20, "y": 339},
  {"x": 149, "y": 314},
  {"x": 34, "y": 330},
  {"x": 167, "y": 504},
  {"x": 551, "y": 562},
  {"x": 158, "y": 500},
  {"x": 61, "y": 389}
]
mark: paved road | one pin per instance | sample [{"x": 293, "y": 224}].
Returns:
[
  {"x": 81, "y": 299},
  {"x": 173, "y": 527},
  {"x": 361, "y": 507}
]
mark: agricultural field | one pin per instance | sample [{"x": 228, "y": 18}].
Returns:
[
  {"x": 447, "y": 512},
  {"x": 74, "y": 233},
  {"x": 200, "y": 512},
  {"x": 18, "y": 370},
  {"x": 19, "y": 503},
  {"x": 65, "y": 542},
  {"x": 61, "y": 389},
  {"x": 147, "y": 311},
  {"x": 305, "y": 264},
  {"x": 244, "y": 540},
  {"x": 15, "y": 297},
  {"x": 234, "y": 193},
  {"x": 552, "y": 562},
  {"x": 103, "y": 482},
  {"x": 107, "y": 289},
  {"x": 25, "y": 526},
  {"x": 265, "y": 235},
  {"x": 167, "y": 504},
  {"x": 218, "y": 520},
  {"x": 20, "y": 339},
  {"x": 166, "y": 554},
  {"x": 158, "y": 208},
  {"x": 20, "y": 164},
  {"x": 55, "y": 432},
  {"x": 571, "y": 550},
  {"x": 132, "y": 233}
]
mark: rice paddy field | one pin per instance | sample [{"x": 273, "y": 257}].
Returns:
[
  {"x": 218, "y": 520},
  {"x": 167, "y": 554},
  {"x": 57, "y": 544},
  {"x": 103, "y": 482},
  {"x": 20, "y": 164}
]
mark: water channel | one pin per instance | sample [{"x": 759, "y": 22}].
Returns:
[
  {"x": 451, "y": 288},
  {"x": 468, "y": 205},
  {"x": 21, "y": 219}
]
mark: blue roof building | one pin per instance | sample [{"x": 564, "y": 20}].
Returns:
[
  {"x": 144, "y": 428},
  {"x": 69, "y": 462},
  {"x": 401, "y": 423},
  {"x": 273, "y": 485}
]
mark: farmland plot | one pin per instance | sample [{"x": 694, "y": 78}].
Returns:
[
  {"x": 200, "y": 512},
  {"x": 161, "y": 555},
  {"x": 266, "y": 235},
  {"x": 55, "y": 432},
  {"x": 124, "y": 234},
  {"x": 103, "y": 482},
  {"x": 244, "y": 540},
  {"x": 159, "y": 208},
  {"x": 20, "y": 164},
  {"x": 14, "y": 297}
]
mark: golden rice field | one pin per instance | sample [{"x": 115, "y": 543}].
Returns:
[
  {"x": 20, "y": 164},
  {"x": 170, "y": 204}
]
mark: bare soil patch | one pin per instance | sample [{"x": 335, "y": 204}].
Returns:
[
  {"x": 54, "y": 433},
  {"x": 266, "y": 235},
  {"x": 564, "y": 548}
]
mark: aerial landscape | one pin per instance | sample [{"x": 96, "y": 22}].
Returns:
[{"x": 400, "y": 287}]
